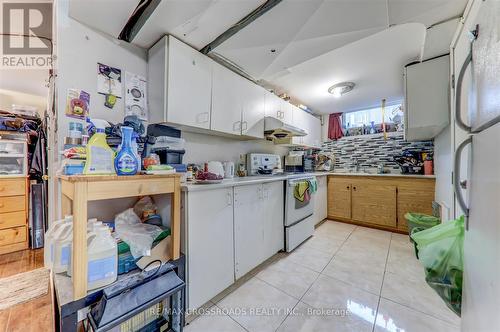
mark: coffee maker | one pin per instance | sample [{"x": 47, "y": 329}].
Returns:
[{"x": 294, "y": 162}]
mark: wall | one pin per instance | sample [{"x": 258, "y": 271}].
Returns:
[
  {"x": 201, "y": 148},
  {"x": 9, "y": 97},
  {"x": 370, "y": 150},
  {"x": 79, "y": 49},
  {"x": 443, "y": 165}
]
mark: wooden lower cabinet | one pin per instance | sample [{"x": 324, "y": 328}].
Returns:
[
  {"x": 378, "y": 201},
  {"x": 414, "y": 196},
  {"x": 339, "y": 197},
  {"x": 374, "y": 203}
]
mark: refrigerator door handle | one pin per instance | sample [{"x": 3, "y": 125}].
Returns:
[
  {"x": 456, "y": 181},
  {"x": 458, "y": 94}
]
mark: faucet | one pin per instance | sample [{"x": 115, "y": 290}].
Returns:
[{"x": 355, "y": 165}]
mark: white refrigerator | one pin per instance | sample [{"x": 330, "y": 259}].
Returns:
[{"x": 481, "y": 288}]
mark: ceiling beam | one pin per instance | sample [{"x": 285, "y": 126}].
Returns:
[
  {"x": 255, "y": 14},
  {"x": 138, "y": 18}
]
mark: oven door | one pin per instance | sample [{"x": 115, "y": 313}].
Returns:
[{"x": 295, "y": 210}]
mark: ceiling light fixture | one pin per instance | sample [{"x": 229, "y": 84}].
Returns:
[{"x": 339, "y": 89}]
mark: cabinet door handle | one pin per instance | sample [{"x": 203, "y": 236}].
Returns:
[
  {"x": 237, "y": 126},
  {"x": 347, "y": 187},
  {"x": 244, "y": 125},
  {"x": 202, "y": 117},
  {"x": 354, "y": 188},
  {"x": 229, "y": 199}
]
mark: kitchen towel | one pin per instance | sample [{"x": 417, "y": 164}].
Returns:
[
  {"x": 313, "y": 186},
  {"x": 300, "y": 190}
]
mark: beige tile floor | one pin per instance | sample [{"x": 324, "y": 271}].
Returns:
[{"x": 344, "y": 278}]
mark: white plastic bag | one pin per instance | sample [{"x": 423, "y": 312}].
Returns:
[{"x": 137, "y": 235}]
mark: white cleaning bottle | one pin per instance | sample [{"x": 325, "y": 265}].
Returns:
[
  {"x": 102, "y": 268},
  {"x": 91, "y": 225},
  {"x": 62, "y": 250},
  {"x": 53, "y": 232}
]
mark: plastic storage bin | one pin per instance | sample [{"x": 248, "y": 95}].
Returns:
[{"x": 13, "y": 157}]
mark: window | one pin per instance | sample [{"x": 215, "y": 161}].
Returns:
[{"x": 364, "y": 118}]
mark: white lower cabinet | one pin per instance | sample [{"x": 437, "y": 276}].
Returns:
[
  {"x": 321, "y": 200},
  {"x": 274, "y": 214},
  {"x": 210, "y": 253},
  {"x": 227, "y": 233},
  {"x": 258, "y": 224},
  {"x": 248, "y": 228}
]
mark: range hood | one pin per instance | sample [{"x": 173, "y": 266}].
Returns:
[{"x": 275, "y": 129}]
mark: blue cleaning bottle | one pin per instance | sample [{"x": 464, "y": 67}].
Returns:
[{"x": 126, "y": 162}]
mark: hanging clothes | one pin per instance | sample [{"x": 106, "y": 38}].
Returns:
[{"x": 335, "y": 126}]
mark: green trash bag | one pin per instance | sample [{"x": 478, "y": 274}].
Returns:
[
  {"x": 419, "y": 221},
  {"x": 440, "y": 250}
]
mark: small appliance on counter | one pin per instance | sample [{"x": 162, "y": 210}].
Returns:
[
  {"x": 167, "y": 145},
  {"x": 263, "y": 164},
  {"x": 228, "y": 169},
  {"x": 294, "y": 162}
]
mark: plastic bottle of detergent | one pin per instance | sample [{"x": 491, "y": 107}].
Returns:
[
  {"x": 102, "y": 268},
  {"x": 92, "y": 224},
  {"x": 62, "y": 250},
  {"x": 126, "y": 162},
  {"x": 53, "y": 233},
  {"x": 100, "y": 157}
]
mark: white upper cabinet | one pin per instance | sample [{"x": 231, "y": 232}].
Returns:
[
  {"x": 273, "y": 105},
  {"x": 252, "y": 118},
  {"x": 427, "y": 105},
  {"x": 315, "y": 131},
  {"x": 286, "y": 110},
  {"x": 227, "y": 102},
  {"x": 300, "y": 121},
  {"x": 309, "y": 123},
  {"x": 180, "y": 84}
]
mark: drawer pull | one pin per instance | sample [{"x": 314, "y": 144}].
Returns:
[
  {"x": 347, "y": 187},
  {"x": 353, "y": 188}
]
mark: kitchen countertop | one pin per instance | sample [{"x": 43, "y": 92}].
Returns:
[{"x": 248, "y": 180}]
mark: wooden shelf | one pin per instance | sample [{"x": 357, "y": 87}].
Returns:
[{"x": 78, "y": 190}]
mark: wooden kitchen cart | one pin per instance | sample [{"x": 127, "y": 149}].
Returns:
[{"x": 78, "y": 190}]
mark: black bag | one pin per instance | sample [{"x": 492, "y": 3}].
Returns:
[{"x": 131, "y": 296}]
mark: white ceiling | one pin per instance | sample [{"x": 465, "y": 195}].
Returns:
[
  {"x": 196, "y": 22},
  {"x": 299, "y": 31},
  {"x": 374, "y": 64}
]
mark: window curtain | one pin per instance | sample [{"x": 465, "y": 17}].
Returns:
[{"x": 335, "y": 126}]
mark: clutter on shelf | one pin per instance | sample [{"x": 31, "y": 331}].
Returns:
[{"x": 132, "y": 240}]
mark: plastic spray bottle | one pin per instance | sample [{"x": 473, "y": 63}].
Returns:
[
  {"x": 100, "y": 156},
  {"x": 126, "y": 161}
]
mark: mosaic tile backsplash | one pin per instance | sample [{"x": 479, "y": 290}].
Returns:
[{"x": 371, "y": 150}]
